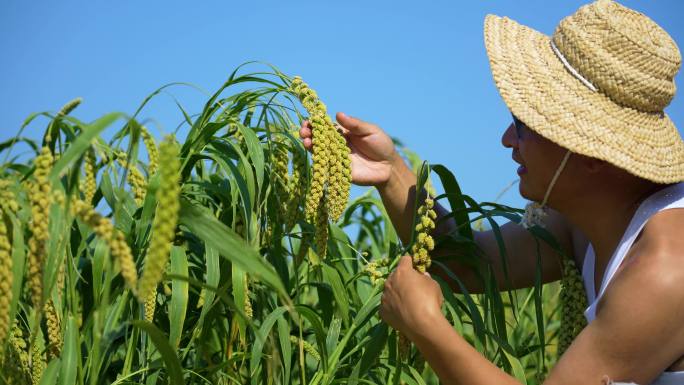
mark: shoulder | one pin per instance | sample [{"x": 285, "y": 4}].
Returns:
[
  {"x": 657, "y": 255},
  {"x": 651, "y": 279},
  {"x": 665, "y": 228},
  {"x": 659, "y": 251},
  {"x": 637, "y": 329}
]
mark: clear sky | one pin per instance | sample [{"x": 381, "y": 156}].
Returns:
[{"x": 418, "y": 69}]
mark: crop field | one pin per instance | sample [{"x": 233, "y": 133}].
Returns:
[{"x": 224, "y": 253}]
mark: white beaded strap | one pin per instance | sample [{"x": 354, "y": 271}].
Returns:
[
  {"x": 534, "y": 212},
  {"x": 569, "y": 67}
]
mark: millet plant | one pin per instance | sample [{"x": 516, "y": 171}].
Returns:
[{"x": 225, "y": 253}]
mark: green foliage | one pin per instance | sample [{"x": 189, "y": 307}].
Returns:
[{"x": 313, "y": 321}]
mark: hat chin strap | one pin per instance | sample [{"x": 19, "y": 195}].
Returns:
[{"x": 534, "y": 212}]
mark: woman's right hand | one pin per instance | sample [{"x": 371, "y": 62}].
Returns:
[{"x": 373, "y": 155}]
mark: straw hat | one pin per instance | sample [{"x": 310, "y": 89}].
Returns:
[{"x": 597, "y": 87}]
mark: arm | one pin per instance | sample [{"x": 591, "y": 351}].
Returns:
[
  {"x": 637, "y": 333},
  {"x": 375, "y": 162}
]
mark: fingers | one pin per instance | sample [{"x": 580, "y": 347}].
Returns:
[
  {"x": 305, "y": 134},
  {"x": 355, "y": 126}
]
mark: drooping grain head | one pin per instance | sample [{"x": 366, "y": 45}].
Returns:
[
  {"x": 38, "y": 361},
  {"x": 150, "y": 305},
  {"x": 90, "y": 181},
  {"x": 573, "y": 301},
  {"x": 249, "y": 312},
  {"x": 69, "y": 107},
  {"x": 54, "y": 329},
  {"x": 15, "y": 367},
  {"x": 116, "y": 241},
  {"x": 6, "y": 279},
  {"x": 40, "y": 197},
  {"x": 152, "y": 151},
  {"x": 280, "y": 174},
  {"x": 165, "y": 218},
  {"x": 8, "y": 201},
  {"x": 135, "y": 178},
  {"x": 424, "y": 242},
  {"x": 321, "y": 234},
  {"x": 306, "y": 346},
  {"x": 296, "y": 188},
  {"x": 331, "y": 173},
  {"x": 340, "y": 176}
]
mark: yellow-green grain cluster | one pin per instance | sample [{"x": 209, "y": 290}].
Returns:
[
  {"x": 15, "y": 365},
  {"x": 150, "y": 305},
  {"x": 165, "y": 218},
  {"x": 52, "y": 317},
  {"x": 424, "y": 242},
  {"x": 306, "y": 346},
  {"x": 296, "y": 188},
  {"x": 135, "y": 178},
  {"x": 573, "y": 301},
  {"x": 152, "y": 151},
  {"x": 321, "y": 234},
  {"x": 115, "y": 239},
  {"x": 280, "y": 174},
  {"x": 54, "y": 330},
  {"x": 41, "y": 198},
  {"x": 38, "y": 362},
  {"x": 69, "y": 106},
  {"x": 8, "y": 201},
  {"x": 89, "y": 182},
  {"x": 289, "y": 189},
  {"x": 331, "y": 174},
  {"x": 376, "y": 276},
  {"x": 249, "y": 312},
  {"x": 5, "y": 282}
]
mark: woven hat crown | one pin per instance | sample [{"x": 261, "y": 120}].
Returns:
[{"x": 622, "y": 52}]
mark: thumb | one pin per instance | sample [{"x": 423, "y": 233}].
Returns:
[
  {"x": 353, "y": 125},
  {"x": 406, "y": 262}
]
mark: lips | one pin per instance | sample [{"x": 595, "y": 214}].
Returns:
[{"x": 515, "y": 159}]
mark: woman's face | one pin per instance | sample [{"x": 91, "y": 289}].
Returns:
[{"x": 540, "y": 159}]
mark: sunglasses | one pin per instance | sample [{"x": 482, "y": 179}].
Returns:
[{"x": 518, "y": 124}]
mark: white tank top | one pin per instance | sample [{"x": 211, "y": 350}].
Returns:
[{"x": 670, "y": 197}]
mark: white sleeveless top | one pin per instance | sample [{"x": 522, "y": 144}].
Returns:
[{"x": 670, "y": 197}]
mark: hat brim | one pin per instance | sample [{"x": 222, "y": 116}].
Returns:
[{"x": 540, "y": 91}]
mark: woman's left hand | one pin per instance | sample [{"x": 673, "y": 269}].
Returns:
[{"x": 411, "y": 300}]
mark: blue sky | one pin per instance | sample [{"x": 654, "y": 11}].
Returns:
[{"x": 418, "y": 69}]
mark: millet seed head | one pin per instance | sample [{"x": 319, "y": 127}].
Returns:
[
  {"x": 152, "y": 151},
  {"x": 41, "y": 198},
  {"x": 6, "y": 279},
  {"x": 165, "y": 218}
]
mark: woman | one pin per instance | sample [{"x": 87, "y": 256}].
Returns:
[{"x": 595, "y": 90}]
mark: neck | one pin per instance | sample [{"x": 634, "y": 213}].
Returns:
[{"x": 603, "y": 215}]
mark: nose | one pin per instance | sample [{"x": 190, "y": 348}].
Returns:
[{"x": 509, "y": 138}]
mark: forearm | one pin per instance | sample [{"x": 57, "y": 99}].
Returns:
[
  {"x": 453, "y": 359},
  {"x": 399, "y": 196}
]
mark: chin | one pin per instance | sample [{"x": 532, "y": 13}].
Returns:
[{"x": 524, "y": 192}]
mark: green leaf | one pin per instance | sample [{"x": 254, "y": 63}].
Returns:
[
  {"x": 332, "y": 277},
  {"x": 70, "y": 357},
  {"x": 82, "y": 143},
  {"x": 455, "y": 198},
  {"x": 229, "y": 245},
  {"x": 51, "y": 373},
  {"x": 179, "y": 296},
  {"x": 161, "y": 342},
  {"x": 258, "y": 345}
]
